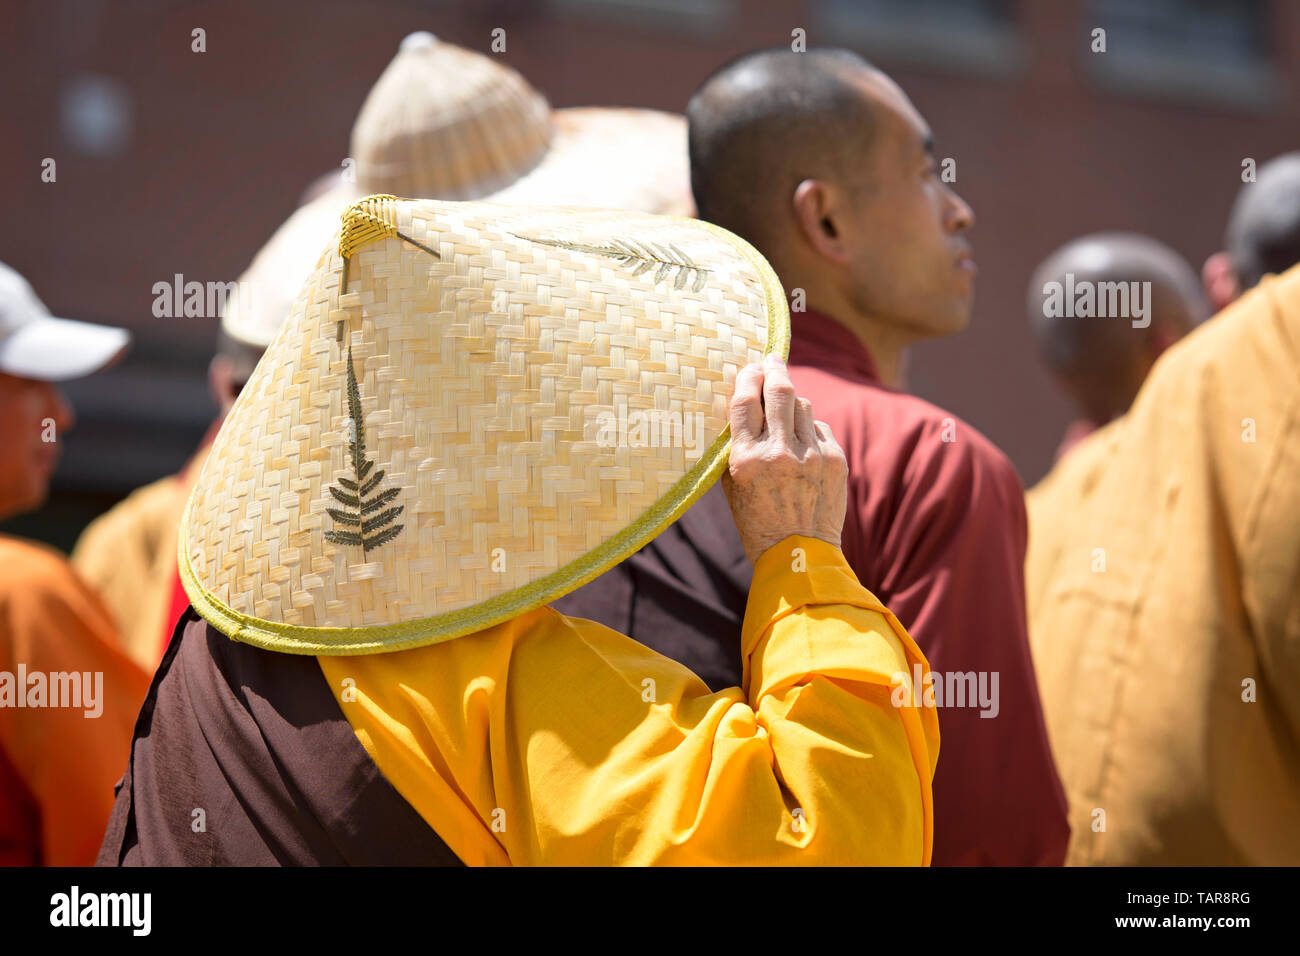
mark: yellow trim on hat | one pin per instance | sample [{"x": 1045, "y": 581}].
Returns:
[
  {"x": 384, "y": 638},
  {"x": 368, "y": 220}
]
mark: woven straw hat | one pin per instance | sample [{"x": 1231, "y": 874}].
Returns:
[
  {"x": 447, "y": 123},
  {"x": 471, "y": 410}
]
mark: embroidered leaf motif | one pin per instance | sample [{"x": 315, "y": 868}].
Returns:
[
  {"x": 642, "y": 256},
  {"x": 381, "y": 519},
  {"x": 345, "y": 537},
  {"x": 373, "y": 480},
  {"x": 342, "y": 517},
  {"x": 381, "y": 499},
  {"x": 344, "y": 498},
  {"x": 355, "y": 493},
  {"x": 388, "y": 534}
]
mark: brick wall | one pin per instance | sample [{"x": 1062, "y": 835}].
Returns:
[{"x": 220, "y": 144}]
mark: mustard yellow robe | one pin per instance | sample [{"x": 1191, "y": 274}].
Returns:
[
  {"x": 1164, "y": 597},
  {"x": 553, "y": 740}
]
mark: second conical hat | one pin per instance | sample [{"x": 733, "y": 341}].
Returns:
[
  {"x": 471, "y": 410},
  {"x": 444, "y": 122},
  {"x": 447, "y": 122}
]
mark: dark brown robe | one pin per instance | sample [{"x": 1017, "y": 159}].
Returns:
[
  {"x": 682, "y": 595},
  {"x": 256, "y": 741}
]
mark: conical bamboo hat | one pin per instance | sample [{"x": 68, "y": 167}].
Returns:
[
  {"x": 444, "y": 122},
  {"x": 471, "y": 410},
  {"x": 448, "y": 122}
]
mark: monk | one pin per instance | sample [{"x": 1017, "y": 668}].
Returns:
[
  {"x": 68, "y": 695},
  {"x": 244, "y": 756},
  {"x": 128, "y": 554},
  {"x": 821, "y": 162},
  {"x": 1100, "y": 359},
  {"x": 1165, "y": 597},
  {"x": 1263, "y": 233}
]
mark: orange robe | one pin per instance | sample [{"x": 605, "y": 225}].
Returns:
[{"x": 58, "y": 764}]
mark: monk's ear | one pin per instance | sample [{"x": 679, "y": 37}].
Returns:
[
  {"x": 817, "y": 218},
  {"x": 221, "y": 381},
  {"x": 1219, "y": 278}
]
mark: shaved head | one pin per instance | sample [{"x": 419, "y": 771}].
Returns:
[
  {"x": 822, "y": 162},
  {"x": 1264, "y": 226},
  {"x": 769, "y": 120},
  {"x": 1102, "y": 359}
]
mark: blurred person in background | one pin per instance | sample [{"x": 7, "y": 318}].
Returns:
[
  {"x": 68, "y": 695},
  {"x": 1099, "y": 359},
  {"x": 1263, "y": 233},
  {"x": 823, "y": 164},
  {"x": 441, "y": 122},
  {"x": 128, "y": 554},
  {"x": 1165, "y": 591}
]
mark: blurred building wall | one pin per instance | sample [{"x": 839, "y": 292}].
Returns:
[{"x": 171, "y": 161}]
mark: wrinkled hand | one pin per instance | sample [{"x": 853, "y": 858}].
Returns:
[{"x": 787, "y": 474}]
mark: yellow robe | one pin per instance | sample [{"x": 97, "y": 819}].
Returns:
[
  {"x": 552, "y": 740},
  {"x": 1051, "y": 504},
  {"x": 128, "y": 557},
  {"x": 1164, "y": 593}
]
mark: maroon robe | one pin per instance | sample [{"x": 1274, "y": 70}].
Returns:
[
  {"x": 936, "y": 529},
  {"x": 255, "y": 740}
]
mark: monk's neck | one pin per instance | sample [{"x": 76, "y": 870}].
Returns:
[
  {"x": 885, "y": 343},
  {"x": 887, "y": 349}
]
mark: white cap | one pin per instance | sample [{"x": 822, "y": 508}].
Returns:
[
  {"x": 419, "y": 40},
  {"x": 34, "y": 344}
]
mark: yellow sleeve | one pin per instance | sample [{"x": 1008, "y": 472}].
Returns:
[{"x": 550, "y": 740}]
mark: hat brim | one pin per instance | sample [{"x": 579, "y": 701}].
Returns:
[
  {"x": 55, "y": 350},
  {"x": 611, "y": 159},
  {"x": 600, "y": 157},
  {"x": 487, "y": 422}
]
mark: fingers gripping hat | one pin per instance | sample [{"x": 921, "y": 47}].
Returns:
[
  {"x": 444, "y": 122},
  {"x": 471, "y": 410}
]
